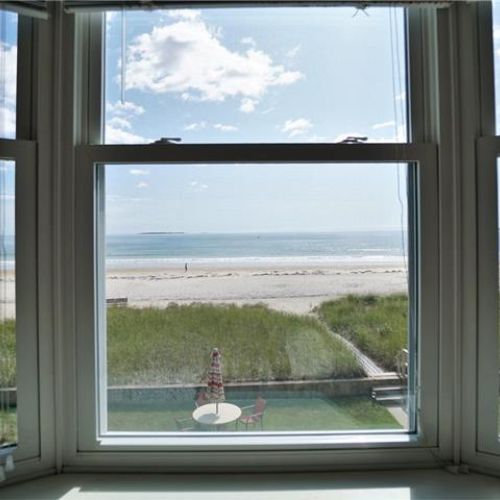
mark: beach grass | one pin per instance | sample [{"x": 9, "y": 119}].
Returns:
[
  {"x": 8, "y": 353},
  {"x": 286, "y": 414},
  {"x": 152, "y": 346},
  {"x": 376, "y": 324},
  {"x": 8, "y": 426}
]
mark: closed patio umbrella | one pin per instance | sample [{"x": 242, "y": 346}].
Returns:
[{"x": 215, "y": 384}]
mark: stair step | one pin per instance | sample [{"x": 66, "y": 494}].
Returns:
[
  {"x": 391, "y": 399},
  {"x": 390, "y": 388}
]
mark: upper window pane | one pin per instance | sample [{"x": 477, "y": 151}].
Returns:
[
  {"x": 8, "y": 74},
  {"x": 277, "y": 74}
]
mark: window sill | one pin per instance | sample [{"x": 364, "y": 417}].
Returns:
[{"x": 258, "y": 441}]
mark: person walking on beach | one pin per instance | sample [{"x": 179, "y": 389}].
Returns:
[{"x": 186, "y": 267}]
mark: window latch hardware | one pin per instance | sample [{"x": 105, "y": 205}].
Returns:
[
  {"x": 354, "y": 139},
  {"x": 168, "y": 140}
]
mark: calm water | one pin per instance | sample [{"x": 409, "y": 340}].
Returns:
[{"x": 149, "y": 249}]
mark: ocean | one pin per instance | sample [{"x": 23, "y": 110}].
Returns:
[{"x": 150, "y": 250}]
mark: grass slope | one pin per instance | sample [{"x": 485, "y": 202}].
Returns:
[
  {"x": 153, "y": 346},
  {"x": 378, "y": 325}
]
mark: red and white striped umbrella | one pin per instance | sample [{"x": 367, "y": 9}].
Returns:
[{"x": 215, "y": 384}]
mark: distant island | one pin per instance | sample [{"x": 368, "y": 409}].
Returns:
[{"x": 162, "y": 232}]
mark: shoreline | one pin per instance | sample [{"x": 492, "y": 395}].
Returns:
[{"x": 290, "y": 287}]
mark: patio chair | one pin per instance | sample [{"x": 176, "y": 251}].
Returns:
[
  {"x": 253, "y": 414},
  {"x": 185, "y": 424},
  {"x": 201, "y": 399}
]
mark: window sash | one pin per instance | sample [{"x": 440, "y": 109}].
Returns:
[
  {"x": 488, "y": 295},
  {"x": 87, "y": 157},
  {"x": 23, "y": 154}
]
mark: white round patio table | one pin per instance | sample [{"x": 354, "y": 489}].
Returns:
[{"x": 226, "y": 413}]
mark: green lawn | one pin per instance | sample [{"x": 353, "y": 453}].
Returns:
[
  {"x": 153, "y": 346},
  {"x": 8, "y": 426},
  {"x": 298, "y": 414},
  {"x": 378, "y": 325},
  {"x": 8, "y": 353}
]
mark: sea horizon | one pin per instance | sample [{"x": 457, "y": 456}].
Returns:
[{"x": 157, "y": 249}]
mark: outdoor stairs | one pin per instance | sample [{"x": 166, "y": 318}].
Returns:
[{"x": 394, "y": 395}]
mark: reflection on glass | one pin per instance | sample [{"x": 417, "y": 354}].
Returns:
[
  {"x": 282, "y": 74},
  {"x": 297, "y": 274},
  {"x": 8, "y": 74},
  {"x": 8, "y": 426}
]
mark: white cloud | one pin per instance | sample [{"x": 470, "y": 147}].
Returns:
[
  {"x": 398, "y": 136},
  {"x": 189, "y": 14},
  {"x": 225, "y": 128},
  {"x": 138, "y": 171},
  {"x": 293, "y": 51},
  {"x": 142, "y": 185},
  {"x": 119, "y": 136},
  {"x": 8, "y": 56},
  {"x": 7, "y": 197},
  {"x": 387, "y": 124},
  {"x": 195, "y": 126},
  {"x": 296, "y": 127},
  {"x": 188, "y": 57},
  {"x": 119, "y": 128},
  {"x": 198, "y": 187},
  {"x": 248, "y": 105},
  {"x": 496, "y": 32},
  {"x": 7, "y": 122},
  {"x": 124, "y": 108},
  {"x": 118, "y": 122}
]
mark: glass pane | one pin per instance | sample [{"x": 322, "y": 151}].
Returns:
[
  {"x": 298, "y": 274},
  {"x": 275, "y": 74},
  {"x": 498, "y": 220},
  {"x": 8, "y": 74},
  {"x": 8, "y": 426}
]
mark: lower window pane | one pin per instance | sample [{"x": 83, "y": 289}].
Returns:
[
  {"x": 256, "y": 298},
  {"x": 8, "y": 425}
]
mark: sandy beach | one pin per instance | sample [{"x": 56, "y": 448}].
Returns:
[
  {"x": 293, "y": 288},
  {"x": 296, "y": 288}
]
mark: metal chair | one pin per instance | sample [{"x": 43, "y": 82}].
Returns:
[
  {"x": 253, "y": 414},
  {"x": 185, "y": 424}
]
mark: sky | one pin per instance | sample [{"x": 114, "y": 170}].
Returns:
[
  {"x": 255, "y": 75},
  {"x": 8, "y": 65},
  {"x": 304, "y": 74}
]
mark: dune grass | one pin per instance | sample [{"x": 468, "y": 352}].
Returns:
[
  {"x": 378, "y": 325},
  {"x": 154, "y": 346},
  {"x": 8, "y": 353},
  {"x": 8, "y": 426}
]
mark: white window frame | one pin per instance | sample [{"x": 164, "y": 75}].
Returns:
[
  {"x": 86, "y": 445},
  {"x": 486, "y": 372},
  {"x": 22, "y": 153}
]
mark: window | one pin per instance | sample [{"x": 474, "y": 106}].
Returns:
[
  {"x": 303, "y": 264},
  {"x": 254, "y": 75},
  {"x": 8, "y": 425},
  {"x": 8, "y": 72},
  {"x": 19, "y": 404}
]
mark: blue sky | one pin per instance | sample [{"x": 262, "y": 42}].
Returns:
[
  {"x": 8, "y": 65},
  {"x": 255, "y": 75},
  {"x": 249, "y": 75}
]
